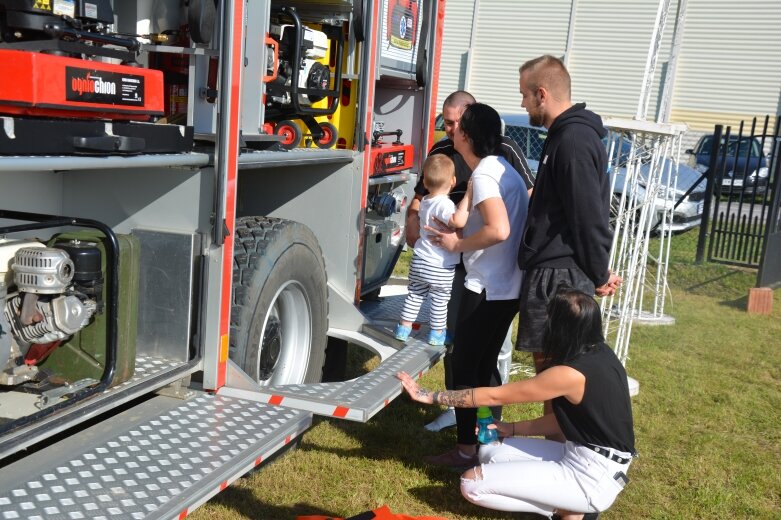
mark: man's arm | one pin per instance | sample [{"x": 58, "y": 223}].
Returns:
[
  {"x": 514, "y": 155},
  {"x": 412, "y": 221},
  {"x": 460, "y": 216}
]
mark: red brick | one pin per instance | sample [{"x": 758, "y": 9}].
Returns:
[{"x": 760, "y": 300}]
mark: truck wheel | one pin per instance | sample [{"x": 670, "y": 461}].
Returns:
[{"x": 279, "y": 316}]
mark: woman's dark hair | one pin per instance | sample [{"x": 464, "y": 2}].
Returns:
[
  {"x": 574, "y": 325},
  {"x": 483, "y": 126}
]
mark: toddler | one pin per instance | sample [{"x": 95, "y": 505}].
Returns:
[{"x": 432, "y": 268}]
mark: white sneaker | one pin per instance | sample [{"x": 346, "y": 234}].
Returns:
[{"x": 446, "y": 420}]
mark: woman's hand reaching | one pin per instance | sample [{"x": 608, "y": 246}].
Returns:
[{"x": 415, "y": 391}]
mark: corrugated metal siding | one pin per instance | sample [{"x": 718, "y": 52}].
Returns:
[
  {"x": 508, "y": 34},
  {"x": 609, "y": 53},
  {"x": 455, "y": 45},
  {"x": 730, "y": 64}
]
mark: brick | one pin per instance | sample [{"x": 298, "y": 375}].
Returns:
[{"x": 760, "y": 300}]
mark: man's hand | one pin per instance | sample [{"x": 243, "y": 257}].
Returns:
[
  {"x": 612, "y": 285},
  {"x": 412, "y": 222},
  {"x": 442, "y": 236},
  {"x": 415, "y": 391}
]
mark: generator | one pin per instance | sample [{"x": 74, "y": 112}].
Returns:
[{"x": 71, "y": 84}]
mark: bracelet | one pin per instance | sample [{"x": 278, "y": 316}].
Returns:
[{"x": 435, "y": 397}]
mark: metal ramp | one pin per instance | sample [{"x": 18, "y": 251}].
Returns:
[
  {"x": 361, "y": 398},
  {"x": 159, "y": 459}
]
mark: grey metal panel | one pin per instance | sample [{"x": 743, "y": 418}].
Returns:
[
  {"x": 167, "y": 275},
  {"x": 296, "y": 157},
  {"x": 323, "y": 196},
  {"x": 159, "y": 459},
  {"x": 178, "y": 200},
  {"x": 113, "y": 162},
  {"x": 507, "y": 34}
]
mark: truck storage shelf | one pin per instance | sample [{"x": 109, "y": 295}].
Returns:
[
  {"x": 297, "y": 157},
  {"x": 361, "y": 398},
  {"x": 159, "y": 459},
  {"x": 79, "y": 162},
  {"x": 150, "y": 372}
]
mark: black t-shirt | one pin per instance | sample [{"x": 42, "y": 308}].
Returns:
[
  {"x": 510, "y": 152},
  {"x": 604, "y": 415}
]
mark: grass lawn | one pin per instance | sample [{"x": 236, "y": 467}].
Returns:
[{"x": 707, "y": 421}]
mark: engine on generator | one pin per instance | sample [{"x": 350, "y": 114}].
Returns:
[
  {"x": 48, "y": 294},
  {"x": 299, "y": 76}
]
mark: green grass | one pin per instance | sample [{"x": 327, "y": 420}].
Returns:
[{"x": 707, "y": 421}]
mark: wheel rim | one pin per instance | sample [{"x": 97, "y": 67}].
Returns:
[
  {"x": 287, "y": 334},
  {"x": 287, "y": 133}
]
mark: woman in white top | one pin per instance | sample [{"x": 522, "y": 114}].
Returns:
[{"x": 489, "y": 243}]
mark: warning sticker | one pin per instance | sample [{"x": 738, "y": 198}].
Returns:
[
  {"x": 44, "y": 5},
  {"x": 100, "y": 86}
]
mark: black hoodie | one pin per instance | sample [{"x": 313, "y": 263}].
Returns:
[{"x": 568, "y": 221}]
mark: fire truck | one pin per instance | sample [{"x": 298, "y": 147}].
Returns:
[{"x": 199, "y": 203}]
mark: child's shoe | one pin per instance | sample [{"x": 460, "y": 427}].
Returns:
[
  {"x": 436, "y": 338},
  {"x": 401, "y": 332}
]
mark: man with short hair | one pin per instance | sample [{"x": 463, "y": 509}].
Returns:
[
  {"x": 567, "y": 237},
  {"x": 452, "y": 109}
]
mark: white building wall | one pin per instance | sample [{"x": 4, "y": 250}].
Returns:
[
  {"x": 455, "y": 47},
  {"x": 730, "y": 63}
]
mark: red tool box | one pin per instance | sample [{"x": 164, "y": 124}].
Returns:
[{"x": 44, "y": 85}]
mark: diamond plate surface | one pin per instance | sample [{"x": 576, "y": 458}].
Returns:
[
  {"x": 152, "y": 466},
  {"x": 389, "y": 308},
  {"x": 366, "y": 394}
]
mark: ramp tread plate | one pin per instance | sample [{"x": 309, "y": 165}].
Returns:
[
  {"x": 360, "y": 398},
  {"x": 388, "y": 308},
  {"x": 159, "y": 467}
]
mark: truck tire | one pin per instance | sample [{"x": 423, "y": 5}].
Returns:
[{"x": 279, "y": 313}]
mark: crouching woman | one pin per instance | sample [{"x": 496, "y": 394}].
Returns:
[{"x": 591, "y": 410}]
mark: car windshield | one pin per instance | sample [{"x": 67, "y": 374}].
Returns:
[{"x": 746, "y": 146}]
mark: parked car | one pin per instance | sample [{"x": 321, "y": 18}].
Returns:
[
  {"x": 744, "y": 166},
  {"x": 686, "y": 215}
]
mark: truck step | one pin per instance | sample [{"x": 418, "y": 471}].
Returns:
[
  {"x": 159, "y": 459},
  {"x": 358, "y": 399}
]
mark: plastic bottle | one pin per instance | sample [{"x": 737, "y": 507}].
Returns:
[{"x": 485, "y": 435}]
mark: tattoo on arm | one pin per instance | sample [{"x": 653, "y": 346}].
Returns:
[
  {"x": 422, "y": 393},
  {"x": 457, "y": 398}
]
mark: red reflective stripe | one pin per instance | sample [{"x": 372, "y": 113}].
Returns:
[
  {"x": 387, "y": 402},
  {"x": 340, "y": 411},
  {"x": 183, "y": 514},
  {"x": 288, "y": 439},
  {"x": 276, "y": 400},
  {"x": 223, "y": 485},
  {"x": 258, "y": 461}
]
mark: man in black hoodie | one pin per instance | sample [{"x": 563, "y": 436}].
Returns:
[{"x": 567, "y": 237}]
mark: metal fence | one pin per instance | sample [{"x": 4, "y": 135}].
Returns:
[{"x": 743, "y": 198}]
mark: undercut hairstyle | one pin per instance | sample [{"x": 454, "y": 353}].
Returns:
[
  {"x": 483, "y": 126},
  {"x": 574, "y": 326},
  {"x": 550, "y": 73},
  {"x": 438, "y": 170},
  {"x": 459, "y": 99}
]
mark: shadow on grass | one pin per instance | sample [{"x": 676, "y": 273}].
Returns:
[
  {"x": 740, "y": 304},
  {"x": 242, "y": 501},
  {"x": 387, "y": 437}
]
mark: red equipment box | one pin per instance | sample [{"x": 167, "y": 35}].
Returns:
[
  {"x": 36, "y": 84},
  {"x": 391, "y": 158}
]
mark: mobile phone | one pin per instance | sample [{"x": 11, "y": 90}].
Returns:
[{"x": 621, "y": 478}]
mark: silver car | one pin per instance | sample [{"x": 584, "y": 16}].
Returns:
[{"x": 686, "y": 215}]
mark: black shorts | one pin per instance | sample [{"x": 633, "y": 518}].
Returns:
[{"x": 538, "y": 287}]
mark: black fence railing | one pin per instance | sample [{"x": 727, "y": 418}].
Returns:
[{"x": 742, "y": 198}]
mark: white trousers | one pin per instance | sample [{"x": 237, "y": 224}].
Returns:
[{"x": 542, "y": 476}]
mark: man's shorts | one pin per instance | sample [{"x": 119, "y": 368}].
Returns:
[{"x": 539, "y": 286}]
